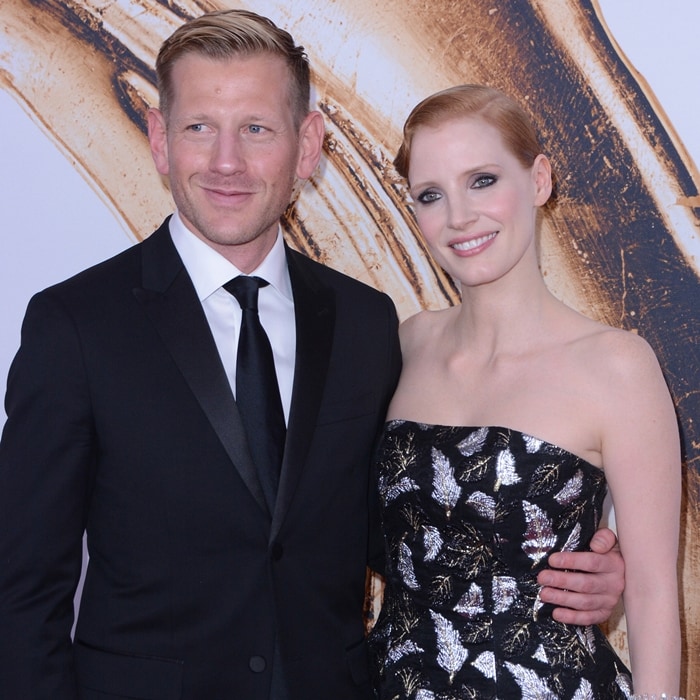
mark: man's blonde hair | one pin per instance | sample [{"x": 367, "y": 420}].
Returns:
[{"x": 229, "y": 34}]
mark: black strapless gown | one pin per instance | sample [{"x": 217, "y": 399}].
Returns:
[{"x": 470, "y": 516}]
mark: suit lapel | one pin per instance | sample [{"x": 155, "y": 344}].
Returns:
[
  {"x": 171, "y": 303},
  {"x": 314, "y": 310}
]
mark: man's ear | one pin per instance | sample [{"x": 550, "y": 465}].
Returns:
[
  {"x": 157, "y": 138},
  {"x": 542, "y": 177},
  {"x": 311, "y": 135}
]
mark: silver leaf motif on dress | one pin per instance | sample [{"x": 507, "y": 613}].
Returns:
[
  {"x": 473, "y": 443},
  {"x": 531, "y": 685},
  {"x": 624, "y": 683},
  {"x": 532, "y": 444},
  {"x": 486, "y": 663},
  {"x": 389, "y": 491},
  {"x": 483, "y": 504},
  {"x": 539, "y": 536},
  {"x": 451, "y": 652},
  {"x": 446, "y": 490},
  {"x": 584, "y": 691},
  {"x": 471, "y": 603},
  {"x": 585, "y": 634},
  {"x": 398, "y": 651},
  {"x": 573, "y": 541},
  {"x": 572, "y": 489},
  {"x": 405, "y": 567},
  {"x": 432, "y": 540},
  {"x": 505, "y": 469},
  {"x": 505, "y": 591},
  {"x": 540, "y": 654}
]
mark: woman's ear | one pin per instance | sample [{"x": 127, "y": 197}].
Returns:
[{"x": 542, "y": 178}]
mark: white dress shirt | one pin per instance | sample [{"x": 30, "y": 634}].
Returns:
[{"x": 209, "y": 271}]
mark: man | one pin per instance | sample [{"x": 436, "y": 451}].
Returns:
[{"x": 207, "y": 578}]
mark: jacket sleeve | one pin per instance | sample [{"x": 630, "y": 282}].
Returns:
[
  {"x": 46, "y": 456},
  {"x": 376, "y": 554}
]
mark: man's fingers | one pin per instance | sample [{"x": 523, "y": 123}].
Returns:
[
  {"x": 578, "y": 617},
  {"x": 603, "y": 541},
  {"x": 589, "y": 562},
  {"x": 578, "y": 600},
  {"x": 578, "y": 608}
]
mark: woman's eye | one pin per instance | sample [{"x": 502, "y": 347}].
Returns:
[
  {"x": 483, "y": 181},
  {"x": 427, "y": 197}
]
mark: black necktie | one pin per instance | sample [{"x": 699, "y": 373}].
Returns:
[{"x": 257, "y": 391}]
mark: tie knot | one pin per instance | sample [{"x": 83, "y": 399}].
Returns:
[{"x": 245, "y": 289}]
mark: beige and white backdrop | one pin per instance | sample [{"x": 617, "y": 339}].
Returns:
[{"x": 614, "y": 86}]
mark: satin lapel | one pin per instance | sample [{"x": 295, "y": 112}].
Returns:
[
  {"x": 314, "y": 310},
  {"x": 172, "y": 305}
]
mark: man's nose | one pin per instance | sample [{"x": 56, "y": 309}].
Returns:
[{"x": 228, "y": 154}]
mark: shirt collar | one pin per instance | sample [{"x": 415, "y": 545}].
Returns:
[{"x": 210, "y": 270}]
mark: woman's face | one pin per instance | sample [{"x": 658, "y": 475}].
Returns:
[{"x": 475, "y": 203}]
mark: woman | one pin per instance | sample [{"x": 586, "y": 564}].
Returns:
[{"x": 512, "y": 412}]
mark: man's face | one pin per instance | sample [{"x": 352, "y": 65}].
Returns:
[{"x": 232, "y": 152}]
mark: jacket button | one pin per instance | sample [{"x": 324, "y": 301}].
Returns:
[
  {"x": 276, "y": 551},
  {"x": 257, "y": 664}
]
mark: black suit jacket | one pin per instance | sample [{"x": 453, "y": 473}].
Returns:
[{"x": 121, "y": 423}]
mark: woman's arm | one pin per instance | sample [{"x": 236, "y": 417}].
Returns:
[{"x": 641, "y": 457}]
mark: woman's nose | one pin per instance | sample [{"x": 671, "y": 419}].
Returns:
[{"x": 460, "y": 212}]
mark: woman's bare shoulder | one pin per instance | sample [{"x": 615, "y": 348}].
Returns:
[
  {"x": 616, "y": 346},
  {"x": 618, "y": 359},
  {"x": 416, "y": 330}
]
